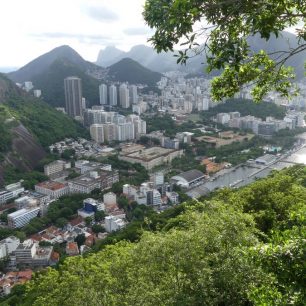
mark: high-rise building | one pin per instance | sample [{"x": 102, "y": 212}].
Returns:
[
  {"x": 73, "y": 96},
  {"x": 103, "y": 94},
  {"x": 109, "y": 132},
  {"x": 133, "y": 94},
  {"x": 124, "y": 96},
  {"x": 97, "y": 132},
  {"x": 113, "y": 95}
]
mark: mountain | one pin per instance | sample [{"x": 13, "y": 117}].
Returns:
[
  {"x": 145, "y": 55},
  {"x": 110, "y": 55},
  {"x": 163, "y": 62},
  {"x": 27, "y": 127},
  {"x": 284, "y": 42},
  {"x": 128, "y": 70},
  {"x": 47, "y": 72}
]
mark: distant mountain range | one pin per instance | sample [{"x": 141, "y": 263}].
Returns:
[
  {"x": 48, "y": 72},
  {"x": 27, "y": 127},
  {"x": 128, "y": 70},
  {"x": 144, "y": 55},
  {"x": 163, "y": 62}
]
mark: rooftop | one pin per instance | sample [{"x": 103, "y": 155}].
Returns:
[
  {"x": 21, "y": 212},
  {"x": 150, "y": 154},
  {"x": 191, "y": 175},
  {"x": 51, "y": 185}
]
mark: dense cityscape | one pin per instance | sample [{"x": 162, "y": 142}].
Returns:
[{"x": 118, "y": 164}]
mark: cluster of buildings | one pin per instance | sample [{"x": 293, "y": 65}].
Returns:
[
  {"x": 127, "y": 95},
  {"x": 111, "y": 126},
  {"x": 90, "y": 176},
  {"x": 267, "y": 128},
  {"x": 25, "y": 254},
  {"x": 182, "y": 96},
  {"x": 155, "y": 193},
  {"x": 81, "y": 148},
  {"x": 171, "y": 143},
  {"x": 28, "y": 86},
  {"x": 12, "y": 278}
]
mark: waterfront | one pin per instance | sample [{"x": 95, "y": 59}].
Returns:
[{"x": 245, "y": 174}]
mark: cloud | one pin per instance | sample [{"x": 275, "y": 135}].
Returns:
[
  {"x": 101, "y": 13},
  {"x": 82, "y": 38},
  {"x": 138, "y": 31}
]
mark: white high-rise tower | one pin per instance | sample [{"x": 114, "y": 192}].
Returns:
[
  {"x": 124, "y": 96},
  {"x": 103, "y": 94},
  {"x": 113, "y": 95}
]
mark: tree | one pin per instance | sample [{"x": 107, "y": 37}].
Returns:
[
  {"x": 61, "y": 222},
  {"x": 80, "y": 239},
  {"x": 88, "y": 221},
  {"x": 99, "y": 215},
  {"x": 96, "y": 228},
  {"x": 223, "y": 38}
]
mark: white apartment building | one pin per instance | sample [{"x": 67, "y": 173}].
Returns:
[
  {"x": 8, "y": 245},
  {"x": 113, "y": 95},
  {"x": 56, "y": 167},
  {"x": 103, "y": 94},
  {"x": 124, "y": 96},
  {"x": 10, "y": 191},
  {"x": 109, "y": 198},
  {"x": 97, "y": 132},
  {"x": 22, "y": 217},
  {"x": 113, "y": 224},
  {"x": 53, "y": 189},
  {"x": 133, "y": 94}
]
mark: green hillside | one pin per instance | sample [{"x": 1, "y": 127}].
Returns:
[
  {"x": 27, "y": 126},
  {"x": 239, "y": 247},
  {"x": 128, "y": 70},
  {"x": 44, "y": 122},
  {"x": 248, "y": 107},
  {"x": 51, "y": 82}
]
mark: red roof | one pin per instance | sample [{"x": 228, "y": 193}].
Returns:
[
  {"x": 51, "y": 185},
  {"x": 76, "y": 221},
  {"x": 27, "y": 274},
  {"x": 55, "y": 256}
]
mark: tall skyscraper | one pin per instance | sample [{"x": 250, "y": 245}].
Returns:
[
  {"x": 103, "y": 94},
  {"x": 113, "y": 95},
  {"x": 133, "y": 94},
  {"x": 73, "y": 96},
  {"x": 124, "y": 96}
]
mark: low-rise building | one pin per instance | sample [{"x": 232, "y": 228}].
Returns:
[
  {"x": 8, "y": 245},
  {"x": 90, "y": 207},
  {"x": 29, "y": 253},
  {"x": 10, "y": 192},
  {"x": 93, "y": 180},
  {"x": 113, "y": 223},
  {"x": 152, "y": 157},
  {"x": 53, "y": 189},
  {"x": 56, "y": 167},
  {"x": 188, "y": 179},
  {"x": 22, "y": 217},
  {"x": 72, "y": 249}
]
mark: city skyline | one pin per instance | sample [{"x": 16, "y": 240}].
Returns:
[{"x": 32, "y": 28}]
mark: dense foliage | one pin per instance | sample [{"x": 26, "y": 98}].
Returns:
[
  {"x": 247, "y": 107},
  {"x": 51, "y": 82},
  {"x": 5, "y": 133},
  {"x": 223, "y": 29},
  {"x": 243, "y": 247},
  {"x": 46, "y": 123}
]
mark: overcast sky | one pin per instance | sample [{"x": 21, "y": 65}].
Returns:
[{"x": 29, "y": 28}]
